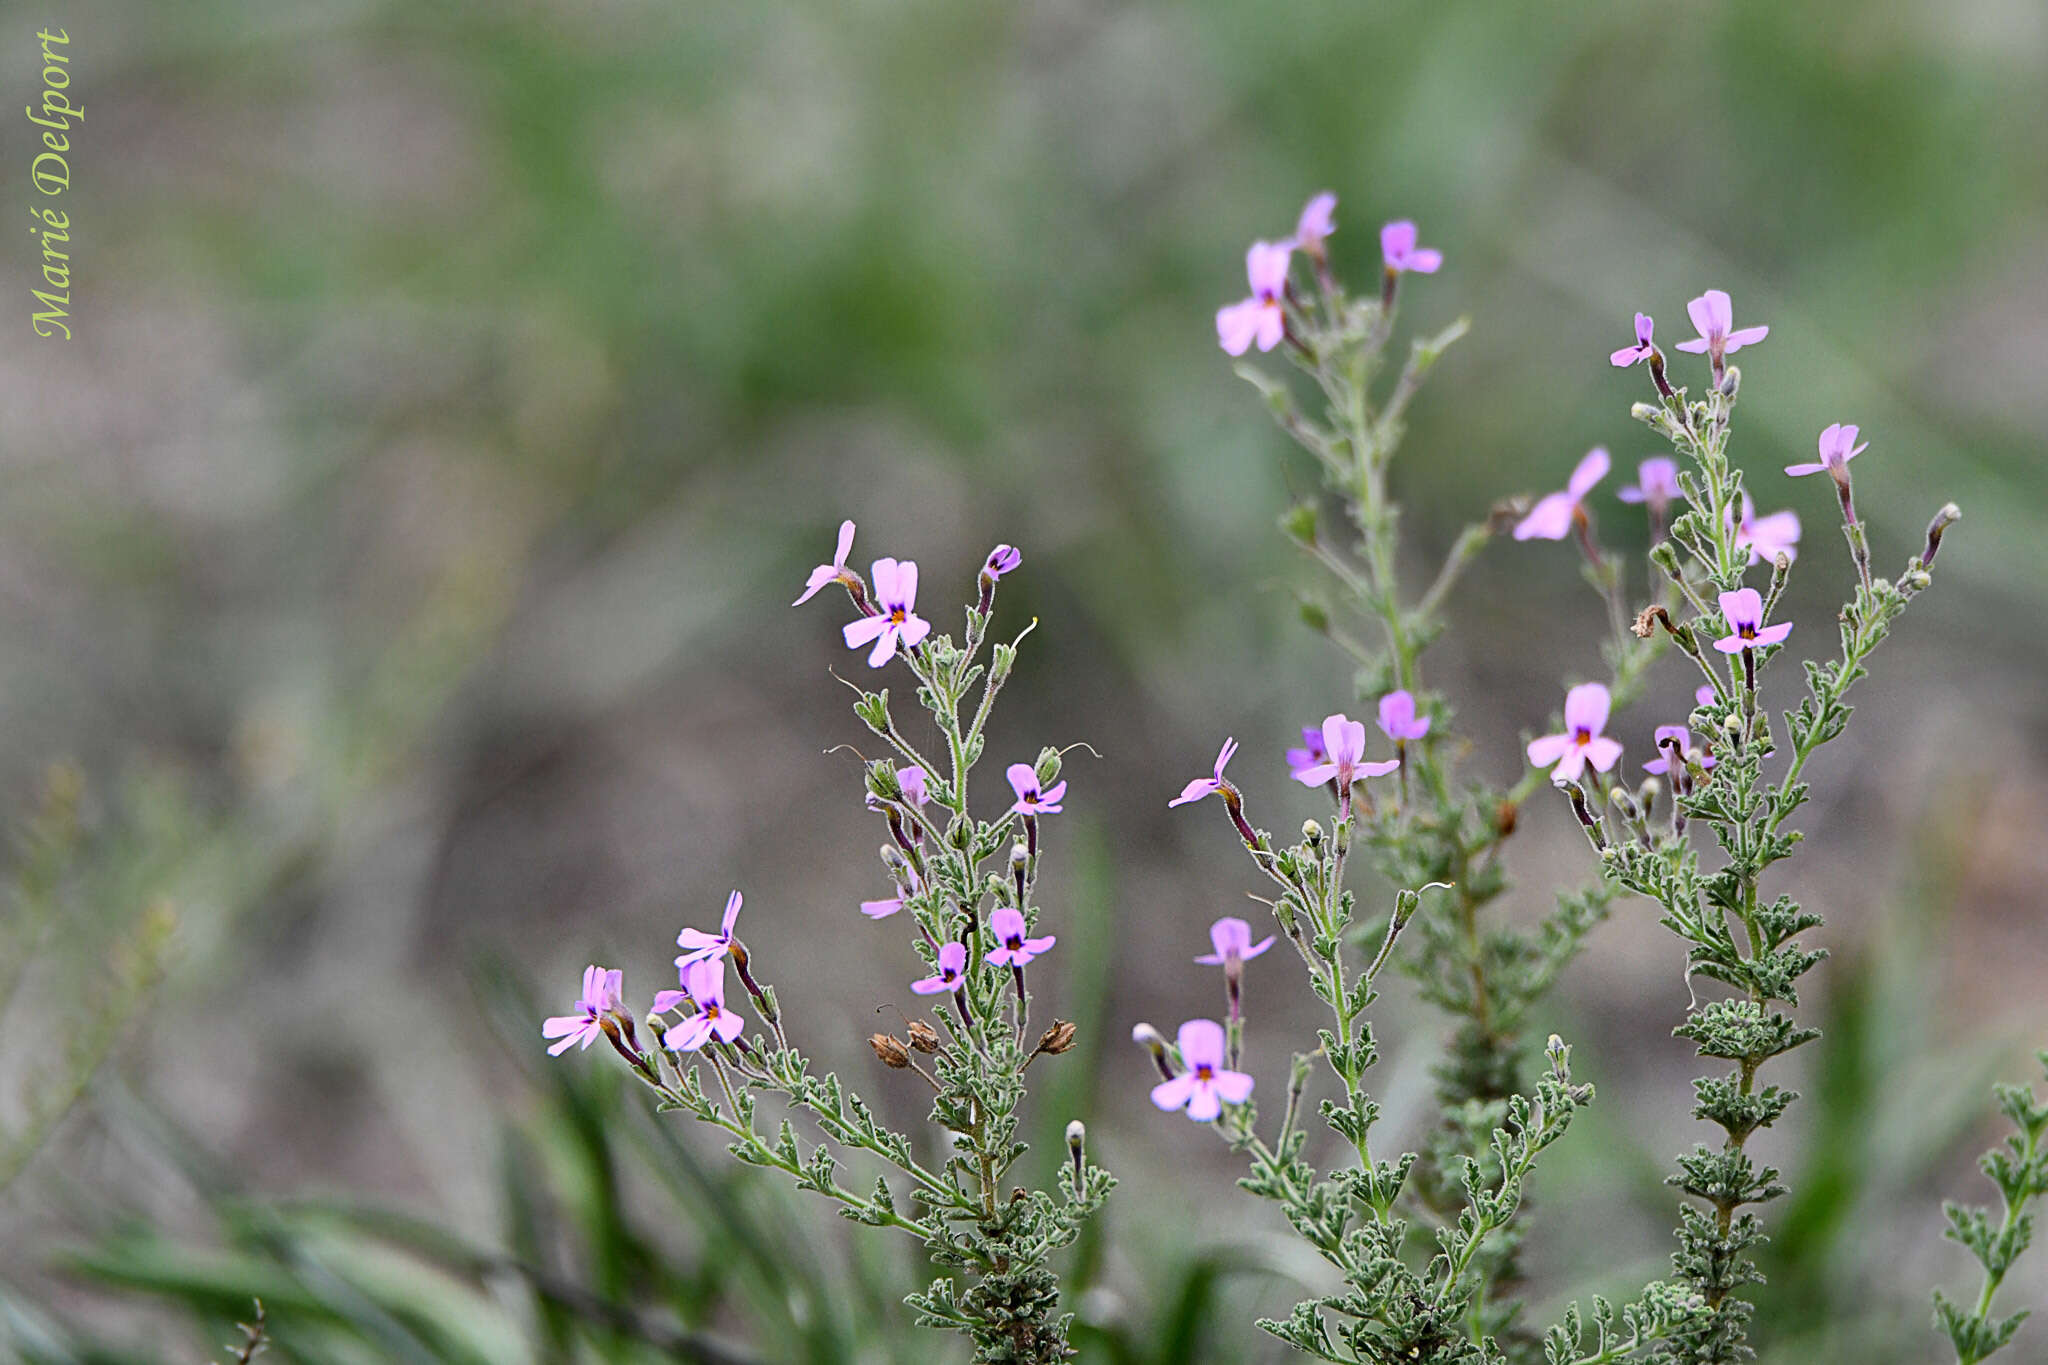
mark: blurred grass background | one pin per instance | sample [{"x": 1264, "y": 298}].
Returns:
[{"x": 462, "y": 389}]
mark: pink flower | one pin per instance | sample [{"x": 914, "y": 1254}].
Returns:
[
  {"x": 1318, "y": 220},
  {"x": 1206, "y": 786},
  {"x": 1552, "y": 516},
  {"x": 704, "y": 983},
  {"x": 1344, "y": 745},
  {"x": 1013, "y": 949},
  {"x": 951, "y": 973},
  {"x": 1205, "y": 1087},
  {"x": 1679, "y": 736},
  {"x": 601, "y": 994},
  {"x": 834, "y": 572},
  {"x": 701, "y": 945},
  {"x": 1259, "y": 318},
  {"x": 1656, "y": 484},
  {"x": 1643, "y": 349},
  {"x": 1397, "y": 717},
  {"x": 1030, "y": 800},
  {"x": 1001, "y": 560},
  {"x": 1714, "y": 316},
  {"x": 1744, "y": 610},
  {"x": 897, "y": 625},
  {"x": 1232, "y": 939},
  {"x": 1703, "y": 695},
  {"x": 1310, "y": 754},
  {"x": 1397, "y": 246},
  {"x": 1585, "y": 716},
  {"x": 1837, "y": 447},
  {"x": 1767, "y": 537}
]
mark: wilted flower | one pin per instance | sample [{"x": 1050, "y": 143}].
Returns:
[
  {"x": 1397, "y": 247},
  {"x": 1552, "y": 516},
  {"x": 1643, "y": 349},
  {"x": 601, "y": 993},
  {"x": 1013, "y": 948},
  {"x": 1030, "y": 800},
  {"x": 888, "y": 906},
  {"x": 1206, "y": 786},
  {"x": 1744, "y": 610},
  {"x": 1398, "y": 719},
  {"x": 704, "y": 983},
  {"x": 1585, "y": 716},
  {"x": 1714, "y": 316},
  {"x": 699, "y": 945},
  {"x": 1260, "y": 317},
  {"x": 897, "y": 624},
  {"x": 1344, "y": 762},
  {"x": 1837, "y": 447},
  {"x": 1767, "y": 537},
  {"x": 952, "y": 970},
  {"x": 835, "y": 572},
  {"x": 1205, "y": 1087}
]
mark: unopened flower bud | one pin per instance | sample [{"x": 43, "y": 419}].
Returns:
[
  {"x": 1505, "y": 817},
  {"x": 1645, "y": 412},
  {"x": 1077, "y": 1145},
  {"x": 1311, "y": 832},
  {"x": 1047, "y": 767},
  {"x": 1149, "y": 1038},
  {"x": 1299, "y": 522},
  {"x": 1945, "y": 518},
  {"x": 1732, "y": 723},
  {"x": 890, "y": 1049}
]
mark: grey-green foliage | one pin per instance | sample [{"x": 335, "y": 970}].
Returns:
[
  {"x": 1736, "y": 934},
  {"x": 1432, "y": 824},
  {"x": 997, "y": 1237},
  {"x": 2019, "y": 1169}
]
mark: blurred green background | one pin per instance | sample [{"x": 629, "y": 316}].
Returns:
[{"x": 461, "y": 391}]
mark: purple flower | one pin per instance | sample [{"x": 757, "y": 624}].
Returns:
[
  {"x": 1232, "y": 939},
  {"x": 951, "y": 973},
  {"x": 1767, "y": 537},
  {"x": 1642, "y": 350},
  {"x": 1318, "y": 220},
  {"x": 834, "y": 572},
  {"x": 1714, "y": 316},
  {"x": 704, "y": 982},
  {"x": 701, "y": 945},
  {"x": 1703, "y": 695},
  {"x": 1837, "y": 447},
  {"x": 1552, "y": 517},
  {"x": 1344, "y": 764},
  {"x": 1397, "y": 246},
  {"x": 882, "y": 909},
  {"x": 1260, "y": 317},
  {"x": 1682, "y": 737},
  {"x": 1030, "y": 800},
  {"x": 1745, "y": 612},
  {"x": 897, "y": 624},
  {"x": 1311, "y": 754},
  {"x": 1397, "y": 717},
  {"x": 1013, "y": 949},
  {"x": 912, "y": 780},
  {"x": 1001, "y": 560},
  {"x": 601, "y": 993},
  {"x": 1585, "y": 716},
  {"x": 1206, "y": 786},
  {"x": 1205, "y": 1087},
  {"x": 1656, "y": 484}
]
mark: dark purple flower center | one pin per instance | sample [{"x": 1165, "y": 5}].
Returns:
[
  {"x": 1014, "y": 942},
  {"x": 1205, "y": 1072},
  {"x": 896, "y": 615},
  {"x": 1582, "y": 736},
  {"x": 1747, "y": 630}
]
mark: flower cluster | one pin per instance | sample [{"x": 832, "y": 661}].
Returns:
[{"x": 974, "y": 932}]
